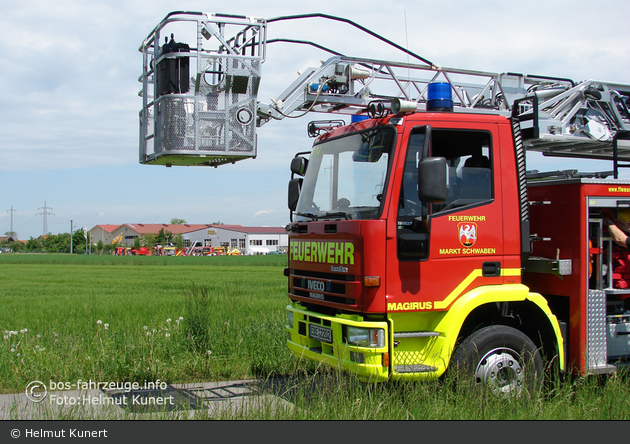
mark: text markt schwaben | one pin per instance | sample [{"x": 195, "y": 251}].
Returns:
[{"x": 324, "y": 252}]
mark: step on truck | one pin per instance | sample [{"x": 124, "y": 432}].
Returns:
[{"x": 418, "y": 239}]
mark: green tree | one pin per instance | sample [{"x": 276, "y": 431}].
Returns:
[
  {"x": 149, "y": 240},
  {"x": 163, "y": 237},
  {"x": 56, "y": 243},
  {"x": 99, "y": 247},
  {"x": 34, "y": 245},
  {"x": 16, "y": 246},
  {"x": 176, "y": 221},
  {"x": 179, "y": 240},
  {"x": 78, "y": 242}
]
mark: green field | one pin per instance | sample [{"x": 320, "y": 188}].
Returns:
[
  {"x": 176, "y": 319},
  {"x": 195, "y": 319}
]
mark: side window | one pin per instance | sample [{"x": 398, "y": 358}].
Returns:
[
  {"x": 469, "y": 160},
  {"x": 469, "y": 177},
  {"x": 409, "y": 204}
]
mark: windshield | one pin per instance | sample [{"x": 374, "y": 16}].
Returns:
[{"x": 346, "y": 177}]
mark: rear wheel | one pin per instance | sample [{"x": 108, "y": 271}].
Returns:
[{"x": 500, "y": 357}]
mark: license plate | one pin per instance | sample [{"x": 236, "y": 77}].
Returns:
[{"x": 323, "y": 334}]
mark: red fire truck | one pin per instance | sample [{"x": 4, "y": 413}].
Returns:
[{"x": 419, "y": 241}]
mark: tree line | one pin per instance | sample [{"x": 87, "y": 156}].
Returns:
[
  {"x": 60, "y": 243},
  {"x": 50, "y": 243}
]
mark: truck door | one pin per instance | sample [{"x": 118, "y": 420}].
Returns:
[{"x": 444, "y": 249}]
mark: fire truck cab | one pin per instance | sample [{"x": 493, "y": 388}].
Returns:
[{"x": 408, "y": 239}]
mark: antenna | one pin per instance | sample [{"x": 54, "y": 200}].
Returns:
[{"x": 407, "y": 45}]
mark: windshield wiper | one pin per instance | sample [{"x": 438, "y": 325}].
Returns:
[
  {"x": 309, "y": 215},
  {"x": 343, "y": 214}
]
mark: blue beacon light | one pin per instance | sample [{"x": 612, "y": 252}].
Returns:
[{"x": 440, "y": 97}]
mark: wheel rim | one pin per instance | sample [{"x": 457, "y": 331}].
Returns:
[{"x": 501, "y": 370}]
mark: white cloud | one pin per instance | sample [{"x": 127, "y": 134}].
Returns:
[{"x": 263, "y": 212}]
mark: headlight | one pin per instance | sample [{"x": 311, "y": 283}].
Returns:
[
  {"x": 290, "y": 319},
  {"x": 365, "y": 337}
]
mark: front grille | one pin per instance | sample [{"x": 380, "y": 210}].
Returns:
[{"x": 319, "y": 287}]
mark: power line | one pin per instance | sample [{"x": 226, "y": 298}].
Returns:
[{"x": 45, "y": 213}]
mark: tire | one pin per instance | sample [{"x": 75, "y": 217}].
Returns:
[{"x": 502, "y": 358}]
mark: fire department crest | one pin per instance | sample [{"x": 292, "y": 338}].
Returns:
[{"x": 467, "y": 233}]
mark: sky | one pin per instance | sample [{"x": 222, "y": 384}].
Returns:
[{"x": 69, "y": 104}]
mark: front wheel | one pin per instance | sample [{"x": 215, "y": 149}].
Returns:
[{"x": 500, "y": 357}]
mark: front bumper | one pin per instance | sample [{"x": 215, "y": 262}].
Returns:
[{"x": 323, "y": 339}]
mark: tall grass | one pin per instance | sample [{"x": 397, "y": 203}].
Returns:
[
  {"x": 186, "y": 320},
  {"x": 136, "y": 319}
]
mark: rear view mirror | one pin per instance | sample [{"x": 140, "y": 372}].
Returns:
[
  {"x": 295, "y": 185},
  {"x": 432, "y": 179},
  {"x": 299, "y": 165}
]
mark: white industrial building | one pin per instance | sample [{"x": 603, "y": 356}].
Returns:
[{"x": 248, "y": 240}]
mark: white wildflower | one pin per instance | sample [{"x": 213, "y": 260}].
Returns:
[
  {"x": 99, "y": 322},
  {"x": 6, "y": 336},
  {"x": 168, "y": 335},
  {"x": 168, "y": 321},
  {"x": 145, "y": 328},
  {"x": 106, "y": 326}
]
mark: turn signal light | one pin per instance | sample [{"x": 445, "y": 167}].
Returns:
[
  {"x": 385, "y": 359},
  {"x": 372, "y": 281}
]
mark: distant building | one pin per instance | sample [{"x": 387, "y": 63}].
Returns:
[
  {"x": 103, "y": 233},
  {"x": 248, "y": 240}
]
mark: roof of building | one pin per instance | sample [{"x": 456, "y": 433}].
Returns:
[
  {"x": 108, "y": 228},
  {"x": 253, "y": 230},
  {"x": 172, "y": 228},
  {"x": 189, "y": 228}
]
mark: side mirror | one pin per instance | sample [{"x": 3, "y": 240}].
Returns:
[
  {"x": 295, "y": 185},
  {"x": 432, "y": 179},
  {"x": 299, "y": 165}
]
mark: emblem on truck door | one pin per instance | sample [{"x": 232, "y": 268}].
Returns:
[{"x": 467, "y": 233}]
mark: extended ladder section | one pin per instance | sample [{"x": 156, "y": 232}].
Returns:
[
  {"x": 558, "y": 116},
  {"x": 213, "y": 120}
]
